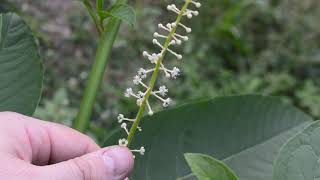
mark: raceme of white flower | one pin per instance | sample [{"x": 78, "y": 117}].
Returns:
[{"x": 171, "y": 39}]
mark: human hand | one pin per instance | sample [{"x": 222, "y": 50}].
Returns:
[{"x": 31, "y": 149}]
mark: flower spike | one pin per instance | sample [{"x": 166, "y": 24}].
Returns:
[{"x": 148, "y": 89}]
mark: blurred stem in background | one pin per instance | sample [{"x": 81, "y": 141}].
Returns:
[
  {"x": 106, "y": 40},
  {"x": 138, "y": 7}
]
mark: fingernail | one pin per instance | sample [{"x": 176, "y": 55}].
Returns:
[{"x": 118, "y": 160}]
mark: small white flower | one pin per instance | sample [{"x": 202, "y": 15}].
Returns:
[
  {"x": 189, "y": 15},
  {"x": 156, "y": 35},
  {"x": 197, "y": 4},
  {"x": 172, "y": 42},
  {"x": 175, "y": 72},
  {"x": 139, "y": 101},
  {"x": 163, "y": 90},
  {"x": 167, "y": 102},
  {"x": 123, "y": 125},
  {"x": 150, "y": 113},
  {"x": 178, "y": 41},
  {"x": 142, "y": 73},
  {"x": 123, "y": 142},
  {"x": 154, "y": 58},
  {"x": 145, "y": 53},
  {"x": 136, "y": 80},
  {"x": 149, "y": 108},
  {"x": 141, "y": 94},
  {"x": 120, "y": 118},
  {"x": 128, "y": 92},
  {"x": 142, "y": 150}
]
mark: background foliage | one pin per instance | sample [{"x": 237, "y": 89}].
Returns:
[{"x": 237, "y": 47}]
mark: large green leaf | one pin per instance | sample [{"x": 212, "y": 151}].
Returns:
[
  {"x": 246, "y": 132},
  {"x": 20, "y": 66},
  {"x": 299, "y": 159},
  {"x": 121, "y": 11},
  {"x": 205, "y": 167}
]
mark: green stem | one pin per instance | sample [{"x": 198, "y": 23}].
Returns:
[
  {"x": 92, "y": 13},
  {"x": 96, "y": 76},
  {"x": 106, "y": 41},
  {"x": 153, "y": 79},
  {"x": 138, "y": 7}
]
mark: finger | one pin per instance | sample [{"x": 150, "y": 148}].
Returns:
[
  {"x": 112, "y": 163},
  {"x": 67, "y": 143},
  {"x": 41, "y": 142}
]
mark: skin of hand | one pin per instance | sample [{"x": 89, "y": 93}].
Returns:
[{"x": 32, "y": 149}]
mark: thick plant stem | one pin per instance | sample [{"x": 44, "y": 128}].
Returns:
[
  {"x": 96, "y": 76},
  {"x": 153, "y": 79},
  {"x": 106, "y": 41}
]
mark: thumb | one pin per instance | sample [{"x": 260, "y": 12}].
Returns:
[{"x": 112, "y": 163}]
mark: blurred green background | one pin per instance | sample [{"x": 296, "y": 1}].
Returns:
[{"x": 237, "y": 47}]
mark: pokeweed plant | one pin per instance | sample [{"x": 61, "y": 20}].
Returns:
[
  {"x": 171, "y": 38},
  {"x": 248, "y": 135}
]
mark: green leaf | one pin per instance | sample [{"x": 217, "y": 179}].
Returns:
[
  {"x": 299, "y": 157},
  {"x": 246, "y": 132},
  {"x": 21, "y": 70},
  {"x": 207, "y": 168},
  {"x": 121, "y": 11}
]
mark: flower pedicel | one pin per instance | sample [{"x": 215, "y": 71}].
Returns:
[{"x": 142, "y": 97}]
